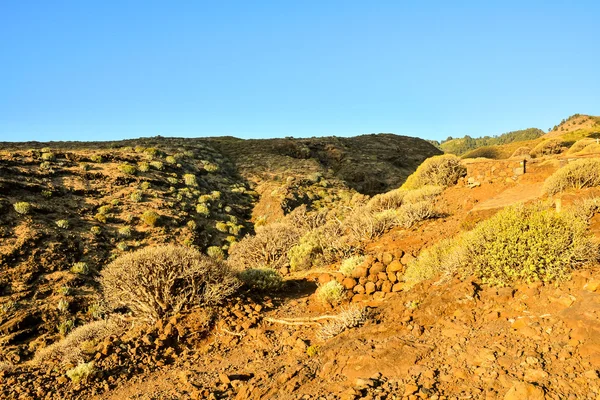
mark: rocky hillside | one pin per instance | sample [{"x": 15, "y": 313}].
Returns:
[
  {"x": 403, "y": 313},
  {"x": 69, "y": 208}
]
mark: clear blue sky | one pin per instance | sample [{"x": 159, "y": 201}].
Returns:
[{"x": 100, "y": 70}]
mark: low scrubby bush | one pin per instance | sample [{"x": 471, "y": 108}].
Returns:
[
  {"x": 22, "y": 207},
  {"x": 331, "y": 292},
  {"x": 521, "y": 151},
  {"x": 349, "y": 264},
  {"x": 520, "y": 243},
  {"x": 444, "y": 170},
  {"x": 580, "y": 145},
  {"x": 547, "y": 147},
  {"x": 265, "y": 279},
  {"x": 150, "y": 218},
  {"x": 578, "y": 174},
  {"x": 81, "y": 372},
  {"x": 71, "y": 349},
  {"x": 157, "y": 282},
  {"x": 268, "y": 248}
]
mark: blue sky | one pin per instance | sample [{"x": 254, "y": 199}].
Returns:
[{"x": 103, "y": 70}]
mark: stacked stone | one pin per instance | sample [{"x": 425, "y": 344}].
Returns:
[{"x": 377, "y": 277}]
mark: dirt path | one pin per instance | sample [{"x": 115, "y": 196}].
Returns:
[{"x": 516, "y": 194}]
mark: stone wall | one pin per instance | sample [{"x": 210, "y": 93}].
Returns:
[{"x": 377, "y": 278}]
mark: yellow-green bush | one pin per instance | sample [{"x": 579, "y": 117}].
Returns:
[
  {"x": 203, "y": 210},
  {"x": 81, "y": 372},
  {"x": 265, "y": 279},
  {"x": 520, "y": 243},
  {"x": 330, "y": 292},
  {"x": 444, "y": 170},
  {"x": 349, "y": 264},
  {"x": 128, "y": 169},
  {"x": 578, "y": 174},
  {"x": 22, "y": 207},
  {"x": 150, "y": 218}
]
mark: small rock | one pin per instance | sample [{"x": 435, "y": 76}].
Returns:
[
  {"x": 395, "y": 266},
  {"x": 524, "y": 391}
]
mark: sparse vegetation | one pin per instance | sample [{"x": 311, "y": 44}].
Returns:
[{"x": 160, "y": 281}]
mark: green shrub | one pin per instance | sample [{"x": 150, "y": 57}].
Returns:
[
  {"x": 136, "y": 196},
  {"x": 96, "y": 230},
  {"x": 221, "y": 226},
  {"x": 46, "y": 165},
  {"x": 122, "y": 246},
  {"x": 65, "y": 327},
  {"x": 520, "y": 243},
  {"x": 203, "y": 210},
  {"x": 158, "y": 282},
  {"x": 143, "y": 166},
  {"x": 157, "y": 165},
  {"x": 578, "y": 174},
  {"x": 349, "y": 264},
  {"x": 22, "y": 207},
  {"x": 210, "y": 167},
  {"x": 303, "y": 255},
  {"x": 62, "y": 223},
  {"x": 80, "y": 268},
  {"x": 125, "y": 231},
  {"x": 145, "y": 185},
  {"x": 48, "y": 156},
  {"x": 170, "y": 160},
  {"x": 190, "y": 180},
  {"x": 265, "y": 279},
  {"x": 331, "y": 292},
  {"x": 150, "y": 218},
  {"x": 81, "y": 372},
  {"x": 444, "y": 170},
  {"x": 128, "y": 169},
  {"x": 63, "y": 305},
  {"x": 97, "y": 158},
  {"x": 215, "y": 252}
]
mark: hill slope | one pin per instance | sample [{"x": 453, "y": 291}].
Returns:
[{"x": 67, "y": 209}]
